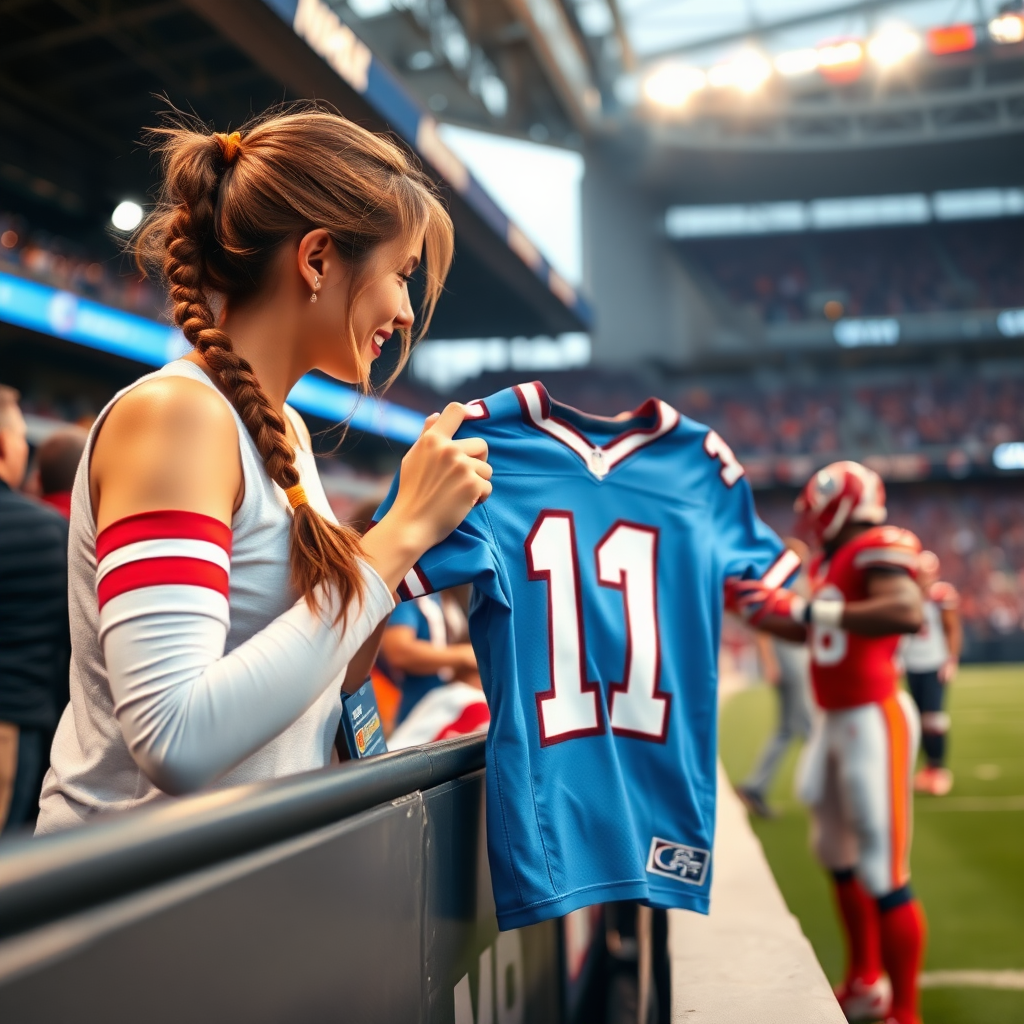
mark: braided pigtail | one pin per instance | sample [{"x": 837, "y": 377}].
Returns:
[{"x": 323, "y": 554}]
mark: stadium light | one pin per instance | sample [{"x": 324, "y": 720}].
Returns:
[
  {"x": 794, "y": 63},
  {"x": 842, "y": 60},
  {"x": 671, "y": 85},
  {"x": 746, "y": 71},
  {"x": 893, "y": 46},
  {"x": 126, "y": 216},
  {"x": 1007, "y": 28},
  {"x": 951, "y": 39}
]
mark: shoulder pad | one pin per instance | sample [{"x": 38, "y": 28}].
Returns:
[{"x": 886, "y": 547}]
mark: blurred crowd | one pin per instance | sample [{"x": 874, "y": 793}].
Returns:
[
  {"x": 881, "y": 272},
  {"x": 908, "y": 410},
  {"x": 907, "y": 413},
  {"x": 31, "y": 252}
]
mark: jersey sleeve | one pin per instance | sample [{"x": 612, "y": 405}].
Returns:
[
  {"x": 467, "y": 555},
  {"x": 888, "y": 547},
  {"x": 749, "y": 548}
]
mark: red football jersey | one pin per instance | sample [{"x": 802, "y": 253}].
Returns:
[{"x": 848, "y": 669}]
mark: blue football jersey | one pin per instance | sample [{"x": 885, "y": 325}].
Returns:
[{"x": 598, "y": 566}]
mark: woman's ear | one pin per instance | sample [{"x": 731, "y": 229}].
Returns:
[{"x": 317, "y": 258}]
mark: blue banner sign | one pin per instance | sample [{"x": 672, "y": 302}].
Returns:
[{"x": 65, "y": 315}]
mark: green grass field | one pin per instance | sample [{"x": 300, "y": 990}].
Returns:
[{"x": 968, "y": 855}]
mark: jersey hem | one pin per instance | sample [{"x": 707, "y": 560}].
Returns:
[
  {"x": 661, "y": 899},
  {"x": 559, "y": 906}
]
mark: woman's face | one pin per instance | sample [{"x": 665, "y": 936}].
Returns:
[{"x": 381, "y": 308}]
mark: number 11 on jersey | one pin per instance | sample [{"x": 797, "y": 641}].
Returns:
[{"x": 626, "y": 560}]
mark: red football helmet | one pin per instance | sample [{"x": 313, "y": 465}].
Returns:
[{"x": 844, "y": 492}]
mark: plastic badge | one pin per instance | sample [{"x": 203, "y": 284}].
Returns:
[{"x": 361, "y": 723}]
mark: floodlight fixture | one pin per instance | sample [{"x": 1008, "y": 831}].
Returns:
[
  {"x": 794, "y": 63},
  {"x": 951, "y": 39},
  {"x": 672, "y": 84},
  {"x": 126, "y": 216},
  {"x": 1007, "y": 27},
  {"x": 747, "y": 72},
  {"x": 841, "y": 60},
  {"x": 893, "y": 46}
]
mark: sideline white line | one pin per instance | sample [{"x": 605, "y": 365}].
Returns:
[
  {"x": 969, "y": 803},
  {"x": 973, "y": 979}
]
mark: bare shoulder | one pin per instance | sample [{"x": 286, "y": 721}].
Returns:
[
  {"x": 169, "y": 443},
  {"x": 176, "y": 406}
]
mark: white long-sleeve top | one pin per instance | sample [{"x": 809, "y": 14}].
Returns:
[{"x": 174, "y": 688}]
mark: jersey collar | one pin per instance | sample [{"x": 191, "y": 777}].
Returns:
[{"x": 537, "y": 410}]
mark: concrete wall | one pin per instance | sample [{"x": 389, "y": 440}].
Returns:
[{"x": 649, "y": 306}]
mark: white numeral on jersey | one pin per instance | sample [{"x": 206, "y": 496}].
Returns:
[
  {"x": 828, "y": 643},
  {"x": 626, "y": 561},
  {"x": 731, "y": 469},
  {"x": 569, "y": 708}
]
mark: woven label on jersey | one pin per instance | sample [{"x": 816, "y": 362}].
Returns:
[{"x": 687, "y": 864}]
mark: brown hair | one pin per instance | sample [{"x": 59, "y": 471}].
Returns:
[{"x": 227, "y": 205}]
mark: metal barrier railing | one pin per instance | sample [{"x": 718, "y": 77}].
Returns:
[{"x": 52, "y": 876}]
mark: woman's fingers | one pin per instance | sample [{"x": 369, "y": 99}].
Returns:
[
  {"x": 429, "y": 422},
  {"x": 484, "y": 470},
  {"x": 474, "y": 447},
  {"x": 448, "y": 421}
]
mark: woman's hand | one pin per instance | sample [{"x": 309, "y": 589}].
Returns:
[{"x": 441, "y": 481}]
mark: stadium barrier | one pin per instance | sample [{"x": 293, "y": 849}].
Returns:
[{"x": 358, "y": 893}]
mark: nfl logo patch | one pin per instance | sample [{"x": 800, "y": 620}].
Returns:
[{"x": 687, "y": 864}]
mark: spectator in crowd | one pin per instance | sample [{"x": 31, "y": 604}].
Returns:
[
  {"x": 56, "y": 465},
  {"x": 35, "y": 644},
  {"x": 417, "y": 653}
]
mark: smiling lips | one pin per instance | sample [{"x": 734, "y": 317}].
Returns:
[{"x": 378, "y": 341}]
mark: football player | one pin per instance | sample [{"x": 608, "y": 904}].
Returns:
[
  {"x": 931, "y": 657},
  {"x": 857, "y": 769}
]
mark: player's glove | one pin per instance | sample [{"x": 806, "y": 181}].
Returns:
[{"x": 754, "y": 602}]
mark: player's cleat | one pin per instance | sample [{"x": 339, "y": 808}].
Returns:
[
  {"x": 754, "y": 802},
  {"x": 934, "y": 781},
  {"x": 862, "y": 1000}
]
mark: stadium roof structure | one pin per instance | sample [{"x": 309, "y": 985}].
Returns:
[
  {"x": 81, "y": 79},
  {"x": 727, "y": 100}
]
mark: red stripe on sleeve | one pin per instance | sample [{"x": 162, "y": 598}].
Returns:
[
  {"x": 162, "y": 525},
  {"x": 422, "y": 576},
  {"x": 156, "y": 572}
]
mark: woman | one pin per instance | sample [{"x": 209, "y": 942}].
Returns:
[{"x": 215, "y": 601}]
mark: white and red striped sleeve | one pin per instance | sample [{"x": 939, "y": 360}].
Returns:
[
  {"x": 188, "y": 711},
  {"x": 163, "y": 562}
]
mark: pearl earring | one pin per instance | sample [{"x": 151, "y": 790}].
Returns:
[{"x": 316, "y": 284}]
